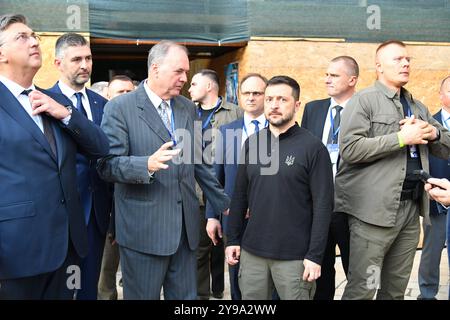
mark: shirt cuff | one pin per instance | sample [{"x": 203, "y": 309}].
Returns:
[{"x": 66, "y": 119}]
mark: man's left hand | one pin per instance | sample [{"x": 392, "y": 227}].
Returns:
[{"x": 312, "y": 270}]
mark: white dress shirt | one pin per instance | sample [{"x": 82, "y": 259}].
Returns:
[
  {"x": 70, "y": 93},
  {"x": 327, "y": 125},
  {"x": 250, "y": 127}
]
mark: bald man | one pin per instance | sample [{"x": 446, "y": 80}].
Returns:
[{"x": 385, "y": 135}]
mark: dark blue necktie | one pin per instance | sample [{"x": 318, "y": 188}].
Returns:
[
  {"x": 48, "y": 132},
  {"x": 256, "y": 123},
  {"x": 79, "y": 105},
  {"x": 333, "y": 136}
]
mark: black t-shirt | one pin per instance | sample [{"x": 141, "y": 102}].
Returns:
[
  {"x": 412, "y": 164},
  {"x": 290, "y": 205}
]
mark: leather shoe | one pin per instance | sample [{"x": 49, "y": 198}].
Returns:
[{"x": 217, "y": 295}]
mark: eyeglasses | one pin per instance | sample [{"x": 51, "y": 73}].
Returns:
[
  {"x": 23, "y": 38},
  {"x": 254, "y": 93}
]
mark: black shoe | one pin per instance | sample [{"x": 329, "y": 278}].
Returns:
[{"x": 217, "y": 295}]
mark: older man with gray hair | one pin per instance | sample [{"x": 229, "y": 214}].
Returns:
[{"x": 157, "y": 225}]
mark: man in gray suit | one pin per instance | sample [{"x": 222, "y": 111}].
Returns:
[{"x": 157, "y": 225}]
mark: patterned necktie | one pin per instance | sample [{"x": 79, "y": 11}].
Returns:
[
  {"x": 162, "y": 110},
  {"x": 48, "y": 132},
  {"x": 79, "y": 105},
  {"x": 256, "y": 123},
  {"x": 336, "y": 123}
]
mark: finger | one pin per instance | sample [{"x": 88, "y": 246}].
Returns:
[
  {"x": 162, "y": 166},
  {"x": 219, "y": 232},
  {"x": 35, "y": 103},
  {"x": 305, "y": 274},
  {"x": 169, "y": 152},
  {"x": 39, "y": 110},
  {"x": 166, "y": 146},
  {"x": 36, "y": 94},
  {"x": 210, "y": 234},
  {"x": 436, "y": 182},
  {"x": 428, "y": 186},
  {"x": 163, "y": 159}
]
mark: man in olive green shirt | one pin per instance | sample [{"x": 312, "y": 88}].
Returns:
[{"x": 385, "y": 135}]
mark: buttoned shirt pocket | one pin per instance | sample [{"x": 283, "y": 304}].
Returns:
[{"x": 383, "y": 124}]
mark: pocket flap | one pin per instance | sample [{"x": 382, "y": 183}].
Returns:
[
  {"x": 384, "y": 118},
  {"x": 17, "y": 210}
]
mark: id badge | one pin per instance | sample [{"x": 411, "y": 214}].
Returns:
[
  {"x": 413, "y": 152},
  {"x": 333, "y": 150}
]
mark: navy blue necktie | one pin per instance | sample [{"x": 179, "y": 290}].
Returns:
[
  {"x": 48, "y": 132},
  {"x": 79, "y": 105},
  {"x": 333, "y": 136},
  {"x": 256, "y": 123}
]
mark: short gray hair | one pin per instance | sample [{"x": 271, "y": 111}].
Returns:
[
  {"x": 159, "y": 51},
  {"x": 69, "y": 40},
  {"x": 8, "y": 19}
]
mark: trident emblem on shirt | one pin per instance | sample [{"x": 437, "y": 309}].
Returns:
[{"x": 290, "y": 160}]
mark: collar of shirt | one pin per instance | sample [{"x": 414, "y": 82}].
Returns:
[
  {"x": 70, "y": 93},
  {"x": 251, "y": 127},
  {"x": 333, "y": 104},
  {"x": 391, "y": 93},
  {"x": 445, "y": 118},
  {"x": 154, "y": 98},
  {"x": 15, "y": 88},
  {"x": 24, "y": 101}
]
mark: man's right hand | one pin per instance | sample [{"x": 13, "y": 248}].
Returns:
[
  {"x": 214, "y": 229},
  {"x": 157, "y": 160}
]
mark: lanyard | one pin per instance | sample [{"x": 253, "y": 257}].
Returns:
[
  {"x": 334, "y": 133},
  {"x": 172, "y": 128},
  {"x": 207, "y": 121},
  {"x": 245, "y": 128}
]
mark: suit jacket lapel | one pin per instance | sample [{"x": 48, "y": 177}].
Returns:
[
  {"x": 323, "y": 117},
  {"x": 180, "y": 114},
  {"x": 13, "y": 107},
  {"x": 149, "y": 114},
  {"x": 95, "y": 108}
]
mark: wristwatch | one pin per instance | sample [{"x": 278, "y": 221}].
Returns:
[{"x": 69, "y": 108}]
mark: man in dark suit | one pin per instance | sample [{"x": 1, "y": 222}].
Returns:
[
  {"x": 73, "y": 59},
  {"x": 434, "y": 235},
  {"x": 157, "y": 225},
  {"x": 42, "y": 233},
  {"x": 322, "y": 118},
  {"x": 228, "y": 151}
]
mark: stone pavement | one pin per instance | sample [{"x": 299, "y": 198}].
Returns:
[{"x": 411, "y": 292}]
